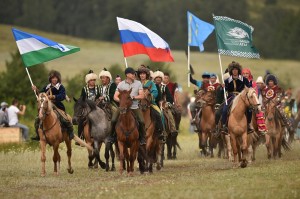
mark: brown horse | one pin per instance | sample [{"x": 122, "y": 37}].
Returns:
[
  {"x": 237, "y": 124},
  {"x": 207, "y": 121},
  {"x": 275, "y": 130},
  {"x": 153, "y": 144},
  {"x": 127, "y": 132}
]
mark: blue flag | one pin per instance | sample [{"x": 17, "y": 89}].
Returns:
[{"x": 198, "y": 31}]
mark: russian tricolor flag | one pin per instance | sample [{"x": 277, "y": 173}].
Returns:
[{"x": 138, "y": 39}]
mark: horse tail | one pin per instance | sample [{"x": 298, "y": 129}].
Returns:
[
  {"x": 177, "y": 144},
  {"x": 285, "y": 144},
  {"x": 81, "y": 142}
]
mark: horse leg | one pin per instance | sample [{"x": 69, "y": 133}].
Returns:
[
  {"x": 69, "y": 153},
  {"x": 169, "y": 147},
  {"x": 112, "y": 155},
  {"x": 97, "y": 154},
  {"x": 133, "y": 151},
  {"x": 203, "y": 143},
  {"x": 141, "y": 159},
  {"x": 244, "y": 150},
  {"x": 106, "y": 155},
  {"x": 235, "y": 150},
  {"x": 158, "y": 156},
  {"x": 43, "y": 154},
  {"x": 229, "y": 148},
  {"x": 174, "y": 142},
  {"x": 121, "y": 156},
  {"x": 211, "y": 147},
  {"x": 162, "y": 153},
  {"x": 55, "y": 158}
]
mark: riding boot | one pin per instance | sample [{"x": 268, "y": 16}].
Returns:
[
  {"x": 287, "y": 123},
  {"x": 249, "y": 128},
  {"x": 70, "y": 130},
  {"x": 112, "y": 137},
  {"x": 36, "y": 125},
  {"x": 224, "y": 129},
  {"x": 142, "y": 132}
]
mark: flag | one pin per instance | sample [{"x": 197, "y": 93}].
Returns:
[
  {"x": 234, "y": 38},
  {"x": 138, "y": 39},
  {"x": 198, "y": 31},
  {"x": 35, "y": 49}
]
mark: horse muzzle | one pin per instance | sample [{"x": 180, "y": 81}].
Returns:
[{"x": 123, "y": 110}]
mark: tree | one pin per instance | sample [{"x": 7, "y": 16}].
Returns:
[{"x": 15, "y": 82}]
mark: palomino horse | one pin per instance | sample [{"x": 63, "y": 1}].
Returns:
[
  {"x": 153, "y": 144},
  {"x": 237, "y": 123},
  {"x": 96, "y": 130},
  {"x": 207, "y": 121},
  {"x": 275, "y": 130},
  {"x": 127, "y": 132},
  {"x": 52, "y": 134}
]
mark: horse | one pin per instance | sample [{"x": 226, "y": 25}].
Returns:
[
  {"x": 237, "y": 124},
  {"x": 171, "y": 141},
  {"x": 96, "y": 131},
  {"x": 127, "y": 133},
  {"x": 207, "y": 120},
  {"x": 153, "y": 149},
  {"x": 52, "y": 133},
  {"x": 275, "y": 130}
]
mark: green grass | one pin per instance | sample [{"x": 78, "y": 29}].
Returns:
[{"x": 190, "y": 176}]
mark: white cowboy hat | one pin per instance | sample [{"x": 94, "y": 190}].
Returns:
[
  {"x": 158, "y": 74},
  {"x": 260, "y": 80},
  {"x": 90, "y": 76},
  {"x": 226, "y": 76},
  {"x": 105, "y": 73}
]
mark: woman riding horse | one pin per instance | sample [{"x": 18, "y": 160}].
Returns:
[{"x": 57, "y": 95}]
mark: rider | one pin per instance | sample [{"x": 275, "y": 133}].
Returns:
[
  {"x": 137, "y": 93},
  {"x": 107, "y": 91},
  {"x": 273, "y": 91},
  {"x": 205, "y": 81},
  {"x": 144, "y": 76},
  {"x": 234, "y": 85},
  {"x": 58, "y": 95},
  {"x": 164, "y": 92}
]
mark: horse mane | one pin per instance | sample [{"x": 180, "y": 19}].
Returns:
[
  {"x": 50, "y": 104},
  {"x": 91, "y": 104},
  {"x": 236, "y": 99}
]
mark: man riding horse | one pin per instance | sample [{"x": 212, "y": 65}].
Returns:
[
  {"x": 144, "y": 75},
  {"x": 273, "y": 92},
  {"x": 165, "y": 93},
  {"x": 57, "y": 95},
  {"x": 136, "y": 94},
  {"x": 234, "y": 85}
]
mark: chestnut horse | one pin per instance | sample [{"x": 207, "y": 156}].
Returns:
[
  {"x": 127, "y": 132},
  {"x": 207, "y": 120},
  {"x": 237, "y": 124},
  {"x": 153, "y": 149},
  {"x": 51, "y": 133},
  {"x": 275, "y": 129}
]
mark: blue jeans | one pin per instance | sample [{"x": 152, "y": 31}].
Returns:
[{"x": 25, "y": 130}]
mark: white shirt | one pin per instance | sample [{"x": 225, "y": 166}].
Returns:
[{"x": 13, "y": 115}]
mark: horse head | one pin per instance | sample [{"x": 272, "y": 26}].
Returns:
[
  {"x": 251, "y": 99},
  {"x": 125, "y": 101},
  {"x": 82, "y": 108},
  {"x": 270, "y": 109},
  {"x": 44, "y": 106},
  {"x": 147, "y": 101}
]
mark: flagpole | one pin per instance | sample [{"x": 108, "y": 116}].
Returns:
[
  {"x": 221, "y": 68},
  {"x": 189, "y": 69},
  {"x": 126, "y": 62},
  {"x": 31, "y": 81}
]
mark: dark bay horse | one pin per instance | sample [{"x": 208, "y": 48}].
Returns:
[
  {"x": 97, "y": 128},
  {"x": 207, "y": 120},
  {"x": 51, "y": 133},
  {"x": 153, "y": 144},
  {"x": 275, "y": 129},
  {"x": 127, "y": 133},
  {"x": 237, "y": 124}
]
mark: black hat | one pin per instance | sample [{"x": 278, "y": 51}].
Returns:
[
  {"x": 54, "y": 73},
  {"x": 271, "y": 77},
  {"x": 235, "y": 65},
  {"x": 144, "y": 69},
  {"x": 129, "y": 70}
]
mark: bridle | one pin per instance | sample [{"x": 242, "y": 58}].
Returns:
[
  {"x": 44, "y": 111},
  {"x": 251, "y": 106},
  {"x": 145, "y": 106},
  {"x": 123, "y": 110}
]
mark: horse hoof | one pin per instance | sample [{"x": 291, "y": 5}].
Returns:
[
  {"x": 130, "y": 174},
  {"x": 158, "y": 167},
  {"x": 56, "y": 173},
  {"x": 244, "y": 164},
  {"x": 102, "y": 165},
  {"x": 106, "y": 169},
  {"x": 70, "y": 171},
  {"x": 95, "y": 166},
  {"x": 113, "y": 169},
  {"x": 43, "y": 174}
]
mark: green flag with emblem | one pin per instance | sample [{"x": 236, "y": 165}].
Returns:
[{"x": 234, "y": 38}]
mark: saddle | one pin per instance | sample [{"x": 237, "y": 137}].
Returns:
[{"x": 106, "y": 107}]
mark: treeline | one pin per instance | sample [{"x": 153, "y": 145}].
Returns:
[{"x": 276, "y": 27}]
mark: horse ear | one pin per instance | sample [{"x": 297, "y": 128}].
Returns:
[{"x": 75, "y": 100}]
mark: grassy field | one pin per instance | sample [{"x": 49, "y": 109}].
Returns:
[
  {"x": 97, "y": 54},
  {"x": 190, "y": 176}
]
